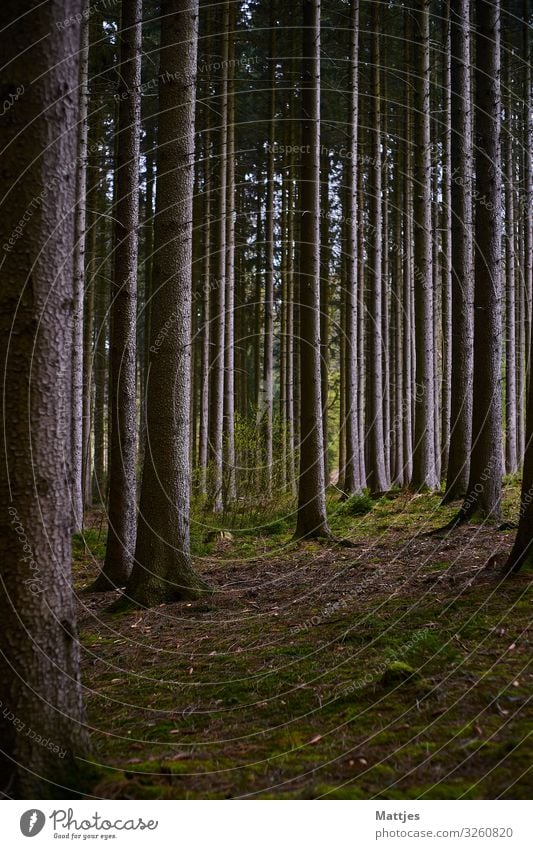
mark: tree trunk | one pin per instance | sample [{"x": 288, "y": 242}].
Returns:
[
  {"x": 40, "y": 690},
  {"x": 424, "y": 472},
  {"x": 229, "y": 330},
  {"x": 218, "y": 290},
  {"x": 352, "y": 478},
  {"x": 123, "y": 402},
  {"x": 376, "y": 470},
  {"x": 162, "y": 569},
  {"x": 461, "y": 244},
  {"x": 79, "y": 280},
  {"x": 268, "y": 339},
  {"x": 511, "y": 460},
  {"x": 325, "y": 258},
  {"x": 485, "y": 483},
  {"x": 311, "y": 519}
]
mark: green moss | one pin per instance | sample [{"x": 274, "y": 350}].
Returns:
[{"x": 398, "y": 672}]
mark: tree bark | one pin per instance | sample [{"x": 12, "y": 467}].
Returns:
[
  {"x": 230, "y": 492},
  {"x": 485, "y": 484},
  {"x": 162, "y": 570},
  {"x": 40, "y": 690},
  {"x": 79, "y": 280},
  {"x": 352, "y": 476},
  {"x": 461, "y": 243},
  {"x": 311, "y": 518},
  {"x": 424, "y": 472},
  {"x": 376, "y": 470},
  {"x": 218, "y": 290},
  {"x": 123, "y": 362}
]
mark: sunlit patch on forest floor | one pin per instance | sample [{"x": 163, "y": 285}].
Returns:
[{"x": 399, "y": 669}]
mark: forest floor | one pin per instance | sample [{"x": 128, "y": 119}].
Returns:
[{"x": 399, "y": 669}]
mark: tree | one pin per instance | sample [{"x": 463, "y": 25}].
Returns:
[
  {"x": 461, "y": 258},
  {"x": 40, "y": 688},
  {"x": 266, "y": 410},
  {"x": 485, "y": 483},
  {"x": 483, "y": 496},
  {"x": 522, "y": 551},
  {"x": 229, "y": 330},
  {"x": 311, "y": 519},
  {"x": 123, "y": 402},
  {"x": 218, "y": 291},
  {"x": 352, "y": 479},
  {"x": 376, "y": 469},
  {"x": 162, "y": 570},
  {"x": 78, "y": 384},
  {"x": 424, "y": 472}
]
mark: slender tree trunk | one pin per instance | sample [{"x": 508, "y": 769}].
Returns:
[
  {"x": 229, "y": 331},
  {"x": 311, "y": 519},
  {"x": 40, "y": 690},
  {"x": 290, "y": 324},
  {"x": 350, "y": 353},
  {"x": 511, "y": 460},
  {"x": 268, "y": 339},
  {"x": 461, "y": 244},
  {"x": 218, "y": 291},
  {"x": 123, "y": 401},
  {"x": 79, "y": 280},
  {"x": 446, "y": 270},
  {"x": 376, "y": 468},
  {"x": 407, "y": 303},
  {"x": 163, "y": 570},
  {"x": 397, "y": 337},
  {"x": 361, "y": 301},
  {"x": 325, "y": 259},
  {"x": 206, "y": 332},
  {"x": 88, "y": 332},
  {"x": 424, "y": 472}
]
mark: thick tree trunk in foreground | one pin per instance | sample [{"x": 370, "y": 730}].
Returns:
[
  {"x": 40, "y": 691},
  {"x": 311, "y": 520},
  {"x": 122, "y": 402},
  {"x": 522, "y": 551},
  {"x": 461, "y": 238},
  {"x": 162, "y": 570}
]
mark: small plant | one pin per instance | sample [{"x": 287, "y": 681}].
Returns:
[{"x": 356, "y": 505}]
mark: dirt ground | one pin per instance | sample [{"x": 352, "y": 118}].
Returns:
[{"x": 397, "y": 669}]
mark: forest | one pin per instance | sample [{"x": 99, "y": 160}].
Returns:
[{"x": 266, "y": 463}]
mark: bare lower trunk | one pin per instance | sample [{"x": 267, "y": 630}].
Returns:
[
  {"x": 42, "y": 730},
  {"x": 424, "y": 472},
  {"x": 376, "y": 468},
  {"x": 461, "y": 244},
  {"x": 311, "y": 520},
  {"x": 123, "y": 402},
  {"x": 79, "y": 282},
  {"x": 163, "y": 570},
  {"x": 485, "y": 485},
  {"x": 352, "y": 476}
]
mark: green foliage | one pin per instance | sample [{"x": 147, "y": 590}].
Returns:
[{"x": 356, "y": 505}]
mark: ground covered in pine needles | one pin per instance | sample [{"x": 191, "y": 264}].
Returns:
[{"x": 399, "y": 669}]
